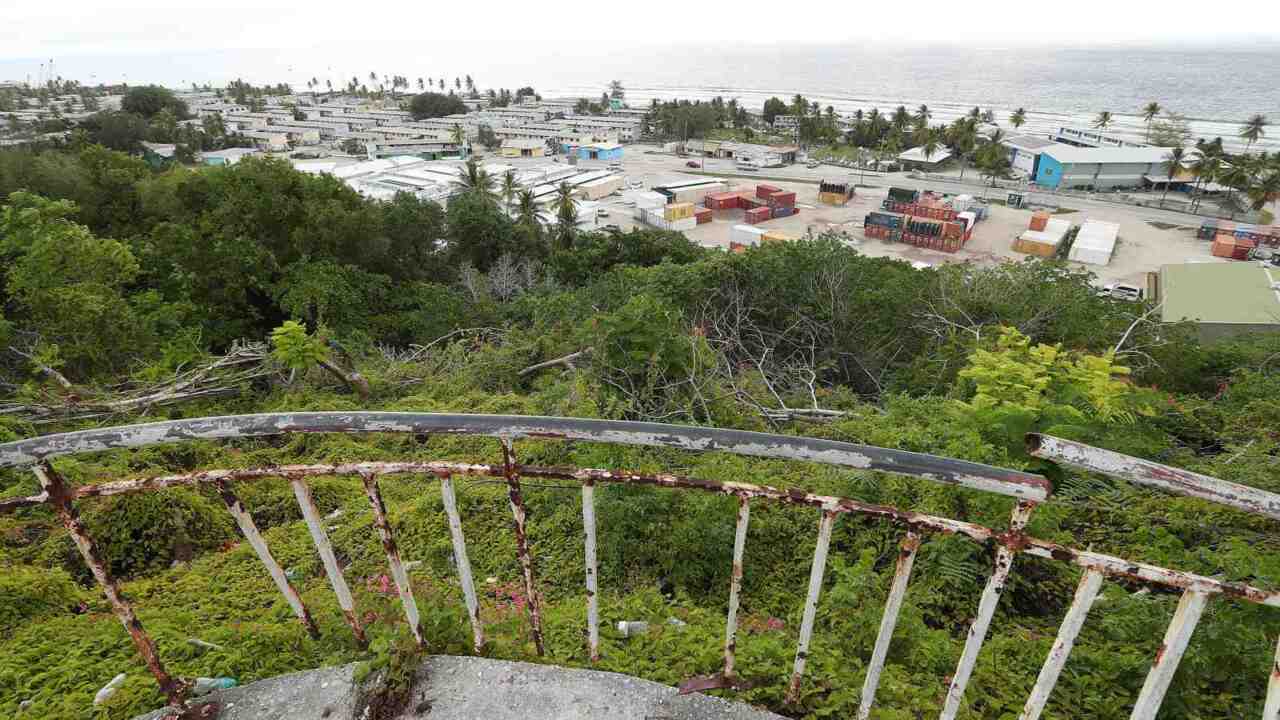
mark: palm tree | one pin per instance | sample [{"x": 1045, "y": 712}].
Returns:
[
  {"x": 975, "y": 114},
  {"x": 1172, "y": 164},
  {"x": 1264, "y": 190},
  {"x": 474, "y": 179},
  {"x": 1018, "y": 118},
  {"x": 929, "y": 145},
  {"x": 1103, "y": 120},
  {"x": 566, "y": 215},
  {"x": 459, "y": 138},
  {"x": 509, "y": 188},
  {"x": 1207, "y": 168},
  {"x": 1149, "y": 113},
  {"x": 923, "y": 114},
  {"x": 1253, "y": 130},
  {"x": 1236, "y": 178},
  {"x": 964, "y": 136}
]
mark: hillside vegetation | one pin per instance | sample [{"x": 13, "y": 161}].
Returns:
[{"x": 118, "y": 280}]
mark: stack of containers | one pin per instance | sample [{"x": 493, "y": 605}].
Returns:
[
  {"x": 782, "y": 204},
  {"x": 648, "y": 201},
  {"x": 1232, "y": 246},
  {"x": 757, "y": 215},
  {"x": 969, "y": 218},
  {"x": 723, "y": 201},
  {"x": 1039, "y": 220},
  {"x": 962, "y": 203},
  {"x": 1209, "y": 228},
  {"x": 883, "y": 226},
  {"x": 903, "y": 195},
  {"x": 1043, "y": 243},
  {"x": 764, "y": 191},
  {"x": 745, "y": 235},
  {"x": 931, "y": 210},
  {"x": 1259, "y": 234},
  {"x": 831, "y": 193},
  {"x": 702, "y": 216}
]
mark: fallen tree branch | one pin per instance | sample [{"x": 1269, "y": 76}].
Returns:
[
  {"x": 353, "y": 379},
  {"x": 45, "y": 369},
  {"x": 565, "y": 361}
]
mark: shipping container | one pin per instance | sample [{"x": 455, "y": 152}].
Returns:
[
  {"x": 745, "y": 234},
  {"x": 757, "y": 215},
  {"x": 678, "y": 211},
  {"x": 904, "y": 195},
  {"x": 1039, "y": 220},
  {"x": 775, "y": 236},
  {"x": 787, "y": 199},
  {"x": 783, "y": 211},
  {"x": 763, "y": 191},
  {"x": 702, "y": 216}
]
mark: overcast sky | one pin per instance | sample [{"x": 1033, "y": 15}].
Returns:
[{"x": 515, "y": 30}]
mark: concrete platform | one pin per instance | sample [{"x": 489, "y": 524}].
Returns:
[{"x": 465, "y": 688}]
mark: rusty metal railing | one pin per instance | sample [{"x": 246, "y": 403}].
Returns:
[{"x": 1028, "y": 490}]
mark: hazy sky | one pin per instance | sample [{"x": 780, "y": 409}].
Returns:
[{"x": 520, "y": 31}]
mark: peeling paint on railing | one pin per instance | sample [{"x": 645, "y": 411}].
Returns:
[{"x": 1196, "y": 590}]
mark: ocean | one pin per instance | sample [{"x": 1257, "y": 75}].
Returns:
[{"x": 1217, "y": 88}]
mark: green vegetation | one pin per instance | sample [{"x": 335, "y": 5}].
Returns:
[
  {"x": 119, "y": 279},
  {"x": 432, "y": 105}
]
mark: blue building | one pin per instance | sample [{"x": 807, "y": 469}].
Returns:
[
  {"x": 599, "y": 151},
  {"x": 1104, "y": 168}
]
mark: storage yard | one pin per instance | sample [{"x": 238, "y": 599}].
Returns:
[{"x": 729, "y": 209}]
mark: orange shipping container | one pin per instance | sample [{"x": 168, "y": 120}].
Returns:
[{"x": 1039, "y": 220}]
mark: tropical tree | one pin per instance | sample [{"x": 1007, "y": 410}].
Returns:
[
  {"x": 566, "y": 215},
  {"x": 923, "y": 115},
  {"x": 509, "y": 188},
  {"x": 901, "y": 118},
  {"x": 975, "y": 114},
  {"x": 1104, "y": 120},
  {"x": 1253, "y": 130},
  {"x": 616, "y": 91},
  {"x": 1205, "y": 166},
  {"x": 1149, "y": 113},
  {"x": 1236, "y": 178},
  {"x": 527, "y": 215},
  {"x": 459, "y": 137},
  {"x": 1172, "y": 164},
  {"x": 475, "y": 180},
  {"x": 1018, "y": 118},
  {"x": 930, "y": 144},
  {"x": 1266, "y": 189},
  {"x": 964, "y": 137}
]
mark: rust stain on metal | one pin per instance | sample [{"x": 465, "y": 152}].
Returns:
[
  {"x": 388, "y": 538},
  {"x": 175, "y": 690},
  {"x": 518, "y": 513}
]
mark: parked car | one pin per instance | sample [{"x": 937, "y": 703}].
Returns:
[
  {"x": 812, "y": 164},
  {"x": 1122, "y": 291},
  {"x": 602, "y": 212},
  {"x": 693, "y": 164},
  {"x": 611, "y": 228}
]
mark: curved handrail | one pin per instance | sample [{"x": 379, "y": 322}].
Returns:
[
  {"x": 977, "y": 476},
  {"x": 1028, "y": 489}
]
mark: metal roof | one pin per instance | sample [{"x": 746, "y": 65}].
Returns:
[
  {"x": 1030, "y": 143},
  {"x": 1069, "y": 154},
  {"x": 1225, "y": 292}
]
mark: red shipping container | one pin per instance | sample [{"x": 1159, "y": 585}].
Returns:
[
  {"x": 702, "y": 216},
  {"x": 786, "y": 199},
  {"x": 757, "y": 215},
  {"x": 764, "y": 191}
]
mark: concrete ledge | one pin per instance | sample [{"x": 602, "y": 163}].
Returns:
[{"x": 465, "y": 688}]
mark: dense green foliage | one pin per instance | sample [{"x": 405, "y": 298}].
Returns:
[
  {"x": 116, "y": 275},
  {"x": 432, "y": 105}
]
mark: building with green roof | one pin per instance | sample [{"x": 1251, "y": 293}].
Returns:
[{"x": 1223, "y": 298}]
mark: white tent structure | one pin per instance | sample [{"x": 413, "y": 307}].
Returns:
[{"x": 1095, "y": 242}]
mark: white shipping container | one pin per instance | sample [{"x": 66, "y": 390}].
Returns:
[
  {"x": 1095, "y": 243},
  {"x": 746, "y": 234}
]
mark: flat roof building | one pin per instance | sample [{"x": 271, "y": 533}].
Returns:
[
  {"x": 1223, "y": 298},
  {"x": 1098, "y": 168},
  {"x": 1024, "y": 152},
  {"x": 1091, "y": 138}
]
